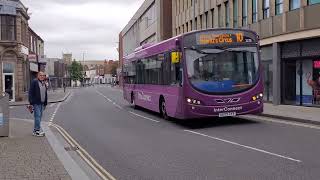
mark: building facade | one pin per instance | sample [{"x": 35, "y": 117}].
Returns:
[
  {"x": 57, "y": 72},
  {"x": 150, "y": 24},
  {"x": 290, "y": 40},
  {"x": 14, "y": 49},
  {"x": 67, "y": 57},
  {"x": 36, "y": 52}
]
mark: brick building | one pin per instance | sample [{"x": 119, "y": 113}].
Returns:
[{"x": 14, "y": 49}]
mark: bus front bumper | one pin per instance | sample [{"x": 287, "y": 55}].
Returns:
[{"x": 199, "y": 111}]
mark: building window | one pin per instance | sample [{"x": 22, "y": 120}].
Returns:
[
  {"x": 212, "y": 18},
  {"x": 313, "y": 2},
  {"x": 227, "y": 15},
  {"x": 196, "y": 23},
  {"x": 8, "y": 28},
  {"x": 207, "y": 20},
  {"x": 244, "y": 12},
  {"x": 219, "y": 16},
  {"x": 279, "y": 7},
  {"x": 254, "y": 11},
  {"x": 191, "y": 25},
  {"x": 235, "y": 13},
  {"x": 201, "y": 20},
  {"x": 294, "y": 4},
  {"x": 187, "y": 27},
  {"x": 266, "y": 9}
]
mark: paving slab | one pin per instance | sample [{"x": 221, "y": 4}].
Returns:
[{"x": 23, "y": 156}]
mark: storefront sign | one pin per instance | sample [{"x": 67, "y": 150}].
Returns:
[
  {"x": 32, "y": 57},
  {"x": 33, "y": 67},
  {"x": 316, "y": 64}
]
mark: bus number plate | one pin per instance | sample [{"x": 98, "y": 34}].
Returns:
[{"x": 227, "y": 114}]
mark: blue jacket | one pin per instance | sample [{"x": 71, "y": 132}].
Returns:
[{"x": 34, "y": 94}]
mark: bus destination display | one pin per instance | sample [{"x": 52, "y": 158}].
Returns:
[{"x": 213, "y": 38}]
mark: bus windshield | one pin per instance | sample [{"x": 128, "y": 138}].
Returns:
[{"x": 220, "y": 71}]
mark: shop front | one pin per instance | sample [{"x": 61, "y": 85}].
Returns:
[
  {"x": 301, "y": 73},
  {"x": 266, "y": 57}
]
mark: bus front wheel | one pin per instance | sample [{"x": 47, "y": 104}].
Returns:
[{"x": 163, "y": 110}]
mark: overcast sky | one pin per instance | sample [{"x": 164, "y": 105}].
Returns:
[{"x": 77, "y": 26}]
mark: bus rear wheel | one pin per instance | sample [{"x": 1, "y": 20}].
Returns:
[{"x": 163, "y": 110}]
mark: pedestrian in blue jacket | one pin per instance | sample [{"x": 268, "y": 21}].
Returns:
[{"x": 38, "y": 99}]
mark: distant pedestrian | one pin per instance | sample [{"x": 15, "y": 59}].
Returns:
[
  {"x": 64, "y": 87},
  {"x": 38, "y": 99}
]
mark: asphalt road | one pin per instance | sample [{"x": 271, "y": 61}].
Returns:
[{"x": 137, "y": 144}]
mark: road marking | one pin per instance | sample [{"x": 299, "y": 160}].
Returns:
[
  {"x": 104, "y": 174},
  {"x": 143, "y": 117},
  {"x": 118, "y": 106},
  {"x": 245, "y": 146},
  {"x": 260, "y": 118},
  {"x": 55, "y": 112},
  {"x": 11, "y": 107},
  {"x": 21, "y": 119}
]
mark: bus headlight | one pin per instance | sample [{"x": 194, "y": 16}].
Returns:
[
  {"x": 193, "y": 101},
  {"x": 257, "y": 97}
]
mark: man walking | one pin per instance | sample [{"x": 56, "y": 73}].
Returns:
[{"x": 38, "y": 99}]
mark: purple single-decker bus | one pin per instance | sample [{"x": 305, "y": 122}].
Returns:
[{"x": 206, "y": 73}]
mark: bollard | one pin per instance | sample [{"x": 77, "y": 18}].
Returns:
[{"x": 4, "y": 115}]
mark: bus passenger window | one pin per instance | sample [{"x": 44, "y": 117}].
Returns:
[{"x": 176, "y": 74}]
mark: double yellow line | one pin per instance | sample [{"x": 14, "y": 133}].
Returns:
[{"x": 84, "y": 154}]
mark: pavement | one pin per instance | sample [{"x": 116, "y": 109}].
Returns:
[
  {"x": 55, "y": 96},
  {"x": 25, "y": 157},
  {"x": 293, "y": 113},
  {"x": 138, "y": 144}
]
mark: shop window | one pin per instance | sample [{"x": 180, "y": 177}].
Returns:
[
  {"x": 301, "y": 82},
  {"x": 268, "y": 80},
  {"x": 294, "y": 4},
  {"x": 310, "y": 2}
]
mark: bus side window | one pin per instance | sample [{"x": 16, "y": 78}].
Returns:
[{"x": 166, "y": 69}]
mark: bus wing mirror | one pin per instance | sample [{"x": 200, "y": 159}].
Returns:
[{"x": 175, "y": 57}]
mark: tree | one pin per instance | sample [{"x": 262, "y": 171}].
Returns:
[
  {"x": 76, "y": 71},
  {"x": 114, "y": 67}
]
